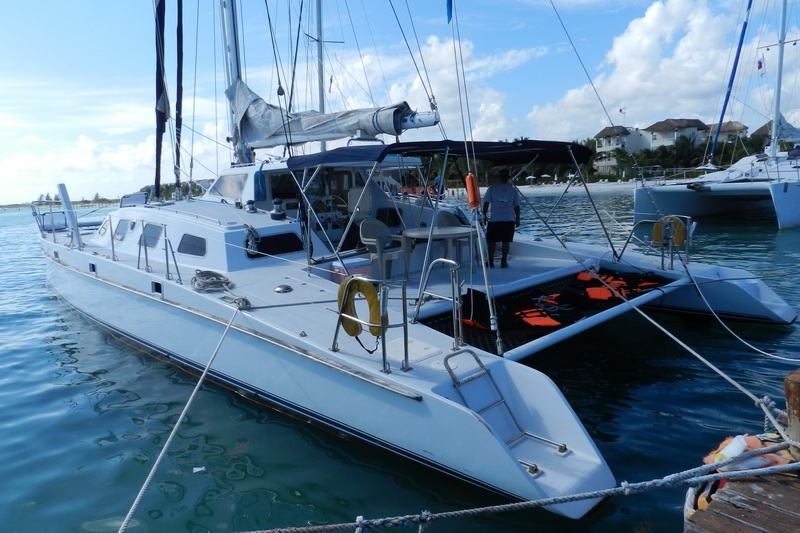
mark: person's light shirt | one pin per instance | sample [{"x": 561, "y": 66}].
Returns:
[{"x": 502, "y": 199}]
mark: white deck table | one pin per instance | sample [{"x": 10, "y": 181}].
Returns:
[{"x": 449, "y": 234}]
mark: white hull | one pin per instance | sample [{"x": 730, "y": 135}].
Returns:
[
  {"x": 424, "y": 423},
  {"x": 714, "y": 199},
  {"x": 786, "y": 202}
]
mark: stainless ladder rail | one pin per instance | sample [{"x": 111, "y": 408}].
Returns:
[
  {"x": 500, "y": 402},
  {"x": 383, "y": 293},
  {"x": 455, "y": 298}
]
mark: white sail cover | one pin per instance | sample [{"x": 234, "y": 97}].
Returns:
[
  {"x": 787, "y": 132},
  {"x": 263, "y": 125}
]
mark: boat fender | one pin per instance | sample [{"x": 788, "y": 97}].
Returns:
[
  {"x": 677, "y": 228},
  {"x": 473, "y": 192},
  {"x": 348, "y": 306},
  {"x": 537, "y": 317}
]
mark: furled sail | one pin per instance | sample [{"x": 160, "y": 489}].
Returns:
[
  {"x": 263, "y": 125},
  {"x": 162, "y": 100}
]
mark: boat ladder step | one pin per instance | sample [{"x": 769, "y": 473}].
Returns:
[{"x": 518, "y": 434}]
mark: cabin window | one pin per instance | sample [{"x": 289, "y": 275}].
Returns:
[
  {"x": 150, "y": 234},
  {"x": 230, "y": 186},
  {"x": 156, "y": 287},
  {"x": 283, "y": 186},
  {"x": 282, "y": 243},
  {"x": 122, "y": 229},
  {"x": 92, "y": 268},
  {"x": 192, "y": 245}
]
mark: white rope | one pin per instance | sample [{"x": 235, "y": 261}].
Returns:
[
  {"x": 724, "y": 325},
  {"x": 694, "y": 476},
  {"x": 360, "y": 55},
  {"x": 174, "y": 431},
  {"x": 761, "y": 403}
]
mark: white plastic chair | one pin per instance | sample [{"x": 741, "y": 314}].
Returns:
[{"x": 377, "y": 236}]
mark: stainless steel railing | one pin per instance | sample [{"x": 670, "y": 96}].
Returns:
[
  {"x": 383, "y": 300},
  {"x": 455, "y": 298},
  {"x": 667, "y": 246}
]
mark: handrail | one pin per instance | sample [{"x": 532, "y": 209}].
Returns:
[
  {"x": 175, "y": 262},
  {"x": 111, "y": 235},
  {"x": 143, "y": 244},
  {"x": 455, "y": 287},
  {"x": 383, "y": 292},
  {"x": 687, "y": 221}
]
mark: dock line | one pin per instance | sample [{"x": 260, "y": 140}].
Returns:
[
  {"x": 174, "y": 431},
  {"x": 693, "y": 476}
]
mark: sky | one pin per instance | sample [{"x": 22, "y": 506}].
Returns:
[{"x": 77, "y": 78}]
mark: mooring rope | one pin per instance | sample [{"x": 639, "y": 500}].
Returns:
[
  {"x": 694, "y": 476},
  {"x": 727, "y": 328},
  {"x": 174, "y": 431}
]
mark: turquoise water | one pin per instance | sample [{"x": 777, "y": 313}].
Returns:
[{"x": 84, "y": 415}]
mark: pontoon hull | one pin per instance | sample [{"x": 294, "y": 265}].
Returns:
[
  {"x": 431, "y": 429},
  {"x": 712, "y": 199},
  {"x": 786, "y": 202}
]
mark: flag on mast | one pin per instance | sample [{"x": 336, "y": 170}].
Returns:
[{"x": 449, "y": 11}]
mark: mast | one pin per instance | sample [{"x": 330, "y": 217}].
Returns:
[
  {"x": 320, "y": 68},
  {"x": 233, "y": 73},
  {"x": 730, "y": 81},
  {"x": 774, "y": 141}
]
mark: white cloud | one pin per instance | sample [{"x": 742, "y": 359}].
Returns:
[
  {"x": 672, "y": 62},
  {"x": 104, "y": 143}
]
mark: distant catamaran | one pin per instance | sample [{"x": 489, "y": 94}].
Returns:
[
  {"x": 275, "y": 261},
  {"x": 770, "y": 180}
]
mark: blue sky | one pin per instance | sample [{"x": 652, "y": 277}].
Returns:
[{"x": 76, "y": 78}]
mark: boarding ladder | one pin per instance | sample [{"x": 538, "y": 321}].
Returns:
[{"x": 496, "y": 402}]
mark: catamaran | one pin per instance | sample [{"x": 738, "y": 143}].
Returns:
[
  {"x": 768, "y": 181},
  {"x": 334, "y": 291}
]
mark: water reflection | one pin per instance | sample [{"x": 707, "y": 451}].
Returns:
[{"x": 83, "y": 409}]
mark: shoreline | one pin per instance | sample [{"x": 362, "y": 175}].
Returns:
[{"x": 558, "y": 188}]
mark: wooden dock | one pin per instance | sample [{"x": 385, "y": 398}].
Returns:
[{"x": 769, "y": 504}]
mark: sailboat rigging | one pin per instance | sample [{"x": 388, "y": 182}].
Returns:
[{"x": 768, "y": 181}]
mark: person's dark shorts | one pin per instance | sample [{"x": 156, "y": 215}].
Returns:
[{"x": 500, "y": 232}]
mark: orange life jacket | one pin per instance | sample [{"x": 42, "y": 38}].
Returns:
[{"x": 537, "y": 317}]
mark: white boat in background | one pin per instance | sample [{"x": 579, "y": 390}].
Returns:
[
  {"x": 769, "y": 181},
  {"x": 278, "y": 250}
]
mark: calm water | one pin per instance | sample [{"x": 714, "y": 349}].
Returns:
[{"x": 84, "y": 415}]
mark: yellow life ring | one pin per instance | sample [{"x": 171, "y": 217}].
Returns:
[
  {"x": 677, "y": 227},
  {"x": 348, "y": 307}
]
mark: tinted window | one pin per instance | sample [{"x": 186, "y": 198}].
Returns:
[
  {"x": 192, "y": 245},
  {"x": 151, "y": 234},
  {"x": 122, "y": 229},
  {"x": 277, "y": 244},
  {"x": 229, "y": 186},
  {"x": 283, "y": 185}
]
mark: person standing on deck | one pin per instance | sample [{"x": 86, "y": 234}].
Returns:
[{"x": 504, "y": 216}]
